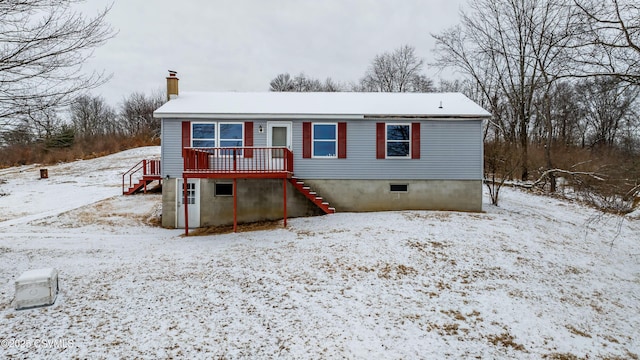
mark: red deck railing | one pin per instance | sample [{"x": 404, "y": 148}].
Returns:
[
  {"x": 144, "y": 168},
  {"x": 246, "y": 162}
]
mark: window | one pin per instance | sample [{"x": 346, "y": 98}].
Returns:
[
  {"x": 224, "y": 189},
  {"x": 398, "y": 187},
  {"x": 325, "y": 140},
  {"x": 398, "y": 140},
  {"x": 203, "y": 135},
  {"x": 191, "y": 193},
  {"x": 229, "y": 135}
]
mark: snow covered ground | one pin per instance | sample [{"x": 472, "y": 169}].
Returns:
[{"x": 534, "y": 278}]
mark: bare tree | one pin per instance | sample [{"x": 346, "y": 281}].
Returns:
[
  {"x": 136, "y": 114},
  {"x": 396, "y": 71},
  {"x": 511, "y": 49},
  {"x": 331, "y": 85},
  {"x": 39, "y": 130},
  {"x": 607, "y": 39},
  {"x": 566, "y": 114},
  {"x": 92, "y": 116},
  {"x": 43, "y": 44},
  {"x": 43, "y": 124},
  {"x": 282, "y": 82},
  {"x": 303, "y": 83},
  {"x": 605, "y": 105},
  {"x": 20, "y": 134},
  {"x": 500, "y": 164}
]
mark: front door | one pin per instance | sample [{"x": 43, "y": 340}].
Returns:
[
  {"x": 193, "y": 200},
  {"x": 278, "y": 135}
]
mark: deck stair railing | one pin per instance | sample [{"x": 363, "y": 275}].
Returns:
[{"x": 140, "y": 175}]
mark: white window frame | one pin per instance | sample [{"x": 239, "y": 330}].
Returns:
[
  {"x": 217, "y": 141},
  {"x": 386, "y": 141},
  {"x": 313, "y": 140},
  {"x": 220, "y": 139}
]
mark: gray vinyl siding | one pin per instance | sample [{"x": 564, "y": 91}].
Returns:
[
  {"x": 449, "y": 150},
  {"x": 171, "y": 148}
]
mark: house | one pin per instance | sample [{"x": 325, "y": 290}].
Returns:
[{"x": 267, "y": 155}]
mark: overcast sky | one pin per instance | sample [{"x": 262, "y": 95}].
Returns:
[{"x": 240, "y": 45}]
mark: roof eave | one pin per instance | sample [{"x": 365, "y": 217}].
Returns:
[
  {"x": 171, "y": 115},
  {"x": 174, "y": 115},
  {"x": 432, "y": 116}
]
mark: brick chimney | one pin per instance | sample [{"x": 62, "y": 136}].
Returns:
[{"x": 172, "y": 85}]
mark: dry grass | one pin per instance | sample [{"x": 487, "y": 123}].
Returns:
[
  {"x": 561, "y": 356},
  {"x": 617, "y": 172},
  {"x": 505, "y": 339},
  {"x": 454, "y": 314},
  {"x": 226, "y": 229},
  {"x": 16, "y": 155},
  {"x": 395, "y": 272},
  {"x": 154, "y": 221},
  {"x": 578, "y": 332}
]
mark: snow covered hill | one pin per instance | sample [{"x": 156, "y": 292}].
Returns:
[{"x": 534, "y": 278}]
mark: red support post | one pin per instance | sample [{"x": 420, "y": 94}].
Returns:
[
  {"x": 235, "y": 205},
  {"x": 186, "y": 207},
  {"x": 290, "y": 164},
  {"x": 284, "y": 189}
]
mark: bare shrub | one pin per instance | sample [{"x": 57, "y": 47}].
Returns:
[{"x": 500, "y": 164}]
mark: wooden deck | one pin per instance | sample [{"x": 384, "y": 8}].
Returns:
[{"x": 238, "y": 162}]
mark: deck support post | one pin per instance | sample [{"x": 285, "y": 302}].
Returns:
[
  {"x": 235, "y": 205},
  {"x": 284, "y": 191},
  {"x": 144, "y": 174},
  {"x": 186, "y": 205}
]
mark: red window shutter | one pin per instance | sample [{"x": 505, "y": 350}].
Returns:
[
  {"x": 306, "y": 140},
  {"x": 342, "y": 140},
  {"x": 415, "y": 140},
  {"x": 380, "y": 141},
  {"x": 248, "y": 138},
  {"x": 186, "y": 134}
]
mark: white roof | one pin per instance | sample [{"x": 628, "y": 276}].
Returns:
[{"x": 319, "y": 105}]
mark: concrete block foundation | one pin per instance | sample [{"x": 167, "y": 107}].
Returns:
[{"x": 262, "y": 199}]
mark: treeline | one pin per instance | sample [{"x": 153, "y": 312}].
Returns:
[
  {"x": 397, "y": 71},
  {"x": 561, "y": 80},
  {"x": 90, "y": 127}
]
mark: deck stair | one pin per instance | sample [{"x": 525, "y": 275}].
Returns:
[
  {"x": 311, "y": 195},
  {"x": 140, "y": 176}
]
